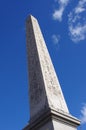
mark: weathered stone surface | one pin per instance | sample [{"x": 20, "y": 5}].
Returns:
[
  {"x": 48, "y": 109},
  {"x": 53, "y": 120},
  {"x": 44, "y": 85}
]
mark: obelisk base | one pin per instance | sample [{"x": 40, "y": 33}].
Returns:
[{"x": 53, "y": 120}]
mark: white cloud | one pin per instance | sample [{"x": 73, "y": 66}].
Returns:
[
  {"x": 83, "y": 112},
  {"x": 55, "y": 38},
  {"x": 58, "y": 13},
  {"x": 64, "y": 2},
  {"x": 81, "y": 6},
  {"x": 77, "y": 22},
  {"x": 78, "y": 33},
  {"x": 79, "y": 9}
]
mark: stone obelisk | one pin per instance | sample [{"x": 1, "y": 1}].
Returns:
[{"x": 48, "y": 109}]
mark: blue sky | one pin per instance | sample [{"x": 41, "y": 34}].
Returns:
[{"x": 63, "y": 23}]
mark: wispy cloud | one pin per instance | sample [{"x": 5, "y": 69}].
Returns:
[
  {"x": 81, "y": 6},
  {"x": 83, "y": 116},
  {"x": 58, "y": 13},
  {"x": 78, "y": 33},
  {"x": 55, "y": 39},
  {"x": 77, "y": 22}
]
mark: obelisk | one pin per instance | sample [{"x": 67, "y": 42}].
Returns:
[{"x": 48, "y": 109}]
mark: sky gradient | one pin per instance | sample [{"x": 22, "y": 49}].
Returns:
[{"x": 63, "y": 24}]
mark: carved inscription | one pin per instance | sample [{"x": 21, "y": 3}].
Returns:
[{"x": 52, "y": 84}]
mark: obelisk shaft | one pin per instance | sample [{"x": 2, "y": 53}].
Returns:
[{"x": 45, "y": 89}]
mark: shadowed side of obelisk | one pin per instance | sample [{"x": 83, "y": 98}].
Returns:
[{"x": 37, "y": 92}]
